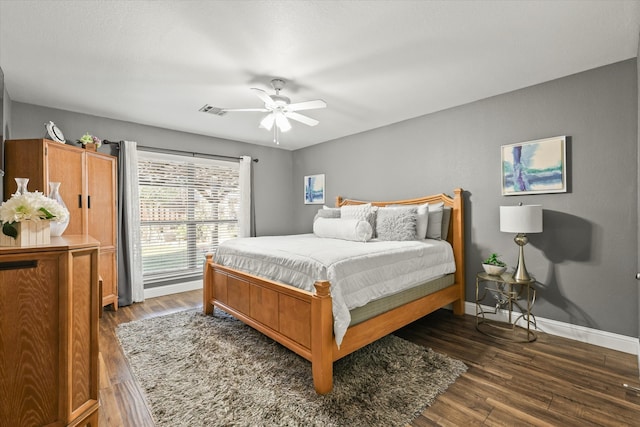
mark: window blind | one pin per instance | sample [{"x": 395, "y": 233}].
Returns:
[{"x": 188, "y": 206}]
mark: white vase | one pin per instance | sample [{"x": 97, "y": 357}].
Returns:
[
  {"x": 21, "y": 184},
  {"x": 57, "y": 227}
]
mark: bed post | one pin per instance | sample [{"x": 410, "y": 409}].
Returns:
[
  {"x": 458, "y": 249},
  {"x": 322, "y": 338},
  {"x": 207, "y": 290}
]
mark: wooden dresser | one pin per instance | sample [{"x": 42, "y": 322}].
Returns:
[
  {"x": 89, "y": 189},
  {"x": 49, "y": 308}
]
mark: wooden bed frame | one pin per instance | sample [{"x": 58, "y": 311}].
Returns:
[{"x": 303, "y": 321}]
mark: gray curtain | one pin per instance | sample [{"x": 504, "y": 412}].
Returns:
[
  {"x": 245, "y": 216},
  {"x": 130, "y": 282}
]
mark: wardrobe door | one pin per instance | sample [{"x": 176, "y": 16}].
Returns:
[
  {"x": 102, "y": 213},
  {"x": 101, "y": 198},
  {"x": 67, "y": 167}
]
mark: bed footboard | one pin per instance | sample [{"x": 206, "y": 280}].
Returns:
[{"x": 301, "y": 321}]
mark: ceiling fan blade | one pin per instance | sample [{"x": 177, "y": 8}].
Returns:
[
  {"x": 302, "y": 119},
  {"x": 264, "y": 97},
  {"x": 267, "y": 122},
  {"x": 282, "y": 122},
  {"x": 307, "y": 105},
  {"x": 263, "y": 110}
]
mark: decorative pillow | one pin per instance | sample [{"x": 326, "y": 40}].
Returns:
[
  {"x": 422, "y": 220},
  {"x": 325, "y": 207},
  {"x": 396, "y": 223},
  {"x": 434, "y": 227},
  {"x": 345, "y": 229},
  {"x": 327, "y": 213},
  {"x": 363, "y": 212}
]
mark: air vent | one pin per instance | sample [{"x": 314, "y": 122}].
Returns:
[{"x": 212, "y": 110}]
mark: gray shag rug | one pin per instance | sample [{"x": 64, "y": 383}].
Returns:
[{"x": 199, "y": 370}]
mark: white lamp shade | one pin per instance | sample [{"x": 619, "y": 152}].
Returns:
[{"x": 521, "y": 219}]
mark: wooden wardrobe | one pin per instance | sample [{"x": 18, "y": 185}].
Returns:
[
  {"x": 49, "y": 333},
  {"x": 88, "y": 187}
]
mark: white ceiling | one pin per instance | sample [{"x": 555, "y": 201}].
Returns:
[{"x": 373, "y": 62}]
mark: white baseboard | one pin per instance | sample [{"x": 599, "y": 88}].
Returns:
[
  {"x": 597, "y": 337},
  {"x": 172, "y": 289}
]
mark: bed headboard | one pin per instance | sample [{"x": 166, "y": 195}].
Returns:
[{"x": 456, "y": 224}]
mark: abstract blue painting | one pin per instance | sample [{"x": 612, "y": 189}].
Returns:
[
  {"x": 314, "y": 189},
  {"x": 534, "y": 167}
]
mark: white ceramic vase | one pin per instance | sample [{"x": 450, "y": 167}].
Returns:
[{"x": 57, "y": 227}]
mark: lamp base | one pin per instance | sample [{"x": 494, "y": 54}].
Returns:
[{"x": 521, "y": 274}]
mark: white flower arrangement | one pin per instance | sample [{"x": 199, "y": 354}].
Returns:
[{"x": 32, "y": 206}]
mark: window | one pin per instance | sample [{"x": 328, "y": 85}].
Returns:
[{"x": 188, "y": 205}]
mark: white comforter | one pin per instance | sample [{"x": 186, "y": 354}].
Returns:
[{"x": 359, "y": 272}]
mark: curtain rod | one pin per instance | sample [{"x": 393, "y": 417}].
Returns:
[{"x": 179, "y": 152}]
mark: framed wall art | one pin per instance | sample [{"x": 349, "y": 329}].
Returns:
[
  {"x": 535, "y": 167},
  {"x": 314, "y": 189}
]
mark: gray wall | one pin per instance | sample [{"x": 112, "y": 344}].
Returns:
[
  {"x": 585, "y": 260},
  {"x": 6, "y": 124},
  {"x": 272, "y": 174}
]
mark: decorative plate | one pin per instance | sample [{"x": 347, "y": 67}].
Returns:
[{"x": 54, "y": 133}]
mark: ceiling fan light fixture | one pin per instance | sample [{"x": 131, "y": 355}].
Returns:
[
  {"x": 267, "y": 121},
  {"x": 282, "y": 122}
]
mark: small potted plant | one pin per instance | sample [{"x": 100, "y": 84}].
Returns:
[
  {"x": 90, "y": 142},
  {"x": 493, "y": 265}
]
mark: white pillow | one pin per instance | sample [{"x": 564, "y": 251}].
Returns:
[
  {"x": 355, "y": 211},
  {"x": 345, "y": 229},
  {"x": 363, "y": 212},
  {"x": 422, "y": 221},
  {"x": 434, "y": 227}
]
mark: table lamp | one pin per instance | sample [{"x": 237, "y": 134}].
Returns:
[{"x": 521, "y": 219}]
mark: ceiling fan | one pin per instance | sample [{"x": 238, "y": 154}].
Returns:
[{"x": 279, "y": 107}]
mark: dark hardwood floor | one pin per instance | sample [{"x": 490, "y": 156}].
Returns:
[{"x": 553, "y": 381}]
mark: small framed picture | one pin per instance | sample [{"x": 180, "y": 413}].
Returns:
[
  {"x": 314, "y": 189},
  {"x": 535, "y": 167}
]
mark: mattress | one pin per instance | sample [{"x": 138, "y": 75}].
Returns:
[
  {"x": 358, "y": 272},
  {"x": 382, "y": 305}
]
